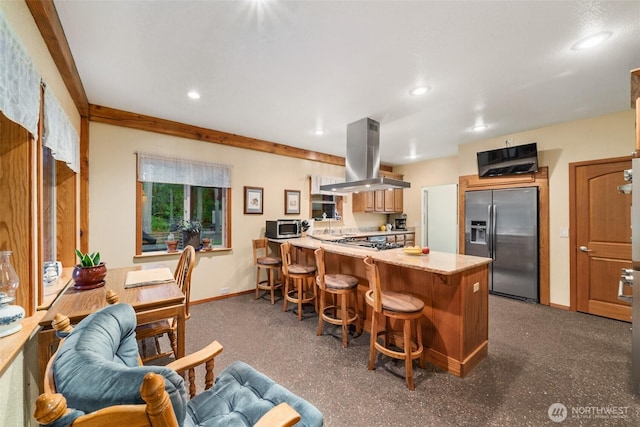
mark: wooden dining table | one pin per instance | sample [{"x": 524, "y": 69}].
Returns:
[{"x": 150, "y": 302}]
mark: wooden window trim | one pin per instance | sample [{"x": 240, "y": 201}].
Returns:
[{"x": 139, "y": 253}]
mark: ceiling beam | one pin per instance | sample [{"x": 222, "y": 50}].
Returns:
[
  {"x": 116, "y": 117},
  {"x": 47, "y": 20}
]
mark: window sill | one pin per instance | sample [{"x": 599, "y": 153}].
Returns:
[
  {"x": 178, "y": 253},
  {"x": 52, "y": 291}
]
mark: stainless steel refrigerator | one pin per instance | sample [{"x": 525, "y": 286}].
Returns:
[{"x": 503, "y": 225}]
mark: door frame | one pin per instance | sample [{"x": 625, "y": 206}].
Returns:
[
  {"x": 573, "y": 238},
  {"x": 539, "y": 179}
]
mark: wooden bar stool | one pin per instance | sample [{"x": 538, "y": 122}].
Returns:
[
  {"x": 393, "y": 305},
  {"x": 340, "y": 287},
  {"x": 301, "y": 275},
  {"x": 269, "y": 263}
]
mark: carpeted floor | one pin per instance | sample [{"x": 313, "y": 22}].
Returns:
[{"x": 538, "y": 356}]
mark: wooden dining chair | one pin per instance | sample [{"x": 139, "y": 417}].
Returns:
[{"x": 157, "y": 329}]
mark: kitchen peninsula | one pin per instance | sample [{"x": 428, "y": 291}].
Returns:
[{"x": 453, "y": 287}]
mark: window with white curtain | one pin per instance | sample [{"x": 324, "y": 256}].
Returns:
[
  {"x": 174, "y": 190},
  {"x": 325, "y": 204}
]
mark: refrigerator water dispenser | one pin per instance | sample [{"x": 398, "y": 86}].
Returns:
[{"x": 478, "y": 232}]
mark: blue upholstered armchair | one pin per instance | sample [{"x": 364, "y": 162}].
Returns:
[{"x": 96, "y": 379}]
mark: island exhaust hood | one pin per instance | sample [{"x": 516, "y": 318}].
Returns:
[{"x": 363, "y": 161}]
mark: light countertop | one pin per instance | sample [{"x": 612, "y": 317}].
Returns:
[{"x": 435, "y": 262}]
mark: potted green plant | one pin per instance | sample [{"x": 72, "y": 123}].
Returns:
[
  {"x": 191, "y": 230},
  {"x": 90, "y": 272}
]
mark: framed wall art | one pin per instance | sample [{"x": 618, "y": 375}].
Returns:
[
  {"x": 253, "y": 200},
  {"x": 291, "y": 202}
]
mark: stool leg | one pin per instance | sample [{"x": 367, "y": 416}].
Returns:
[
  {"x": 300, "y": 283},
  {"x": 421, "y": 360},
  {"x": 387, "y": 330},
  {"x": 321, "y": 312},
  {"x": 257, "y": 282},
  {"x": 345, "y": 317},
  {"x": 285, "y": 292},
  {"x": 372, "y": 342},
  {"x": 315, "y": 293},
  {"x": 359, "y": 319},
  {"x": 272, "y": 285},
  {"x": 407, "y": 354}
]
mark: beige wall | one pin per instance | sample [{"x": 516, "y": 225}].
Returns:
[
  {"x": 112, "y": 178},
  {"x": 596, "y": 138}
]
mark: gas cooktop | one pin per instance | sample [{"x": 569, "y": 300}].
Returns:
[{"x": 367, "y": 244}]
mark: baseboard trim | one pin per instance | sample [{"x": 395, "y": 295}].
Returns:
[
  {"x": 560, "y": 306},
  {"x": 219, "y": 297}
]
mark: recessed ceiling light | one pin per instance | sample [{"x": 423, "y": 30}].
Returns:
[
  {"x": 193, "y": 95},
  {"x": 419, "y": 90},
  {"x": 318, "y": 132},
  {"x": 592, "y": 41},
  {"x": 478, "y": 128}
]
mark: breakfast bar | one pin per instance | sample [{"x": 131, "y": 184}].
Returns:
[{"x": 453, "y": 287}]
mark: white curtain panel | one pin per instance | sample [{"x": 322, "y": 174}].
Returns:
[
  {"x": 152, "y": 168},
  {"x": 19, "y": 81},
  {"x": 59, "y": 134}
]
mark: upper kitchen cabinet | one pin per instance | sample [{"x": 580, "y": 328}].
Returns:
[{"x": 379, "y": 201}]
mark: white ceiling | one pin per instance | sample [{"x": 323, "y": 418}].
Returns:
[{"x": 276, "y": 70}]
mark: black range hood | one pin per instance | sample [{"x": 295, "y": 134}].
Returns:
[{"x": 363, "y": 161}]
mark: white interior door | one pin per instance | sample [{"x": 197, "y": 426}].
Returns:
[{"x": 440, "y": 217}]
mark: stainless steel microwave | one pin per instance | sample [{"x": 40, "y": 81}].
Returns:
[{"x": 283, "y": 229}]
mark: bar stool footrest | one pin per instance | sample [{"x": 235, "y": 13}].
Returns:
[
  {"x": 353, "y": 316},
  {"x": 416, "y": 349}
]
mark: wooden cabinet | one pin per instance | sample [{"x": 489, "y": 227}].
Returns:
[
  {"x": 363, "y": 202},
  {"x": 398, "y": 201},
  {"x": 379, "y": 201},
  {"x": 407, "y": 239},
  {"x": 389, "y": 201},
  {"x": 410, "y": 239}
]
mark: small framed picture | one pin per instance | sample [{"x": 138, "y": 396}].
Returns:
[
  {"x": 253, "y": 202},
  {"x": 292, "y": 202}
]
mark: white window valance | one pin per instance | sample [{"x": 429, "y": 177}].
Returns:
[
  {"x": 152, "y": 168},
  {"x": 318, "y": 180},
  {"x": 59, "y": 134},
  {"x": 19, "y": 81}
]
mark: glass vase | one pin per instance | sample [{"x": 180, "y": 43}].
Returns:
[
  {"x": 10, "y": 315},
  {"x": 9, "y": 281}
]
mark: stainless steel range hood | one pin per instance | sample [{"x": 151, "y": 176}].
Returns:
[{"x": 363, "y": 161}]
